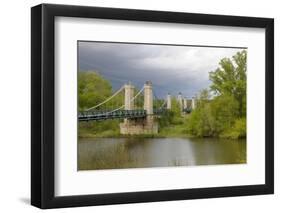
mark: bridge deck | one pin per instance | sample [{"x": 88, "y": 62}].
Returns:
[
  {"x": 119, "y": 114},
  {"x": 187, "y": 110}
]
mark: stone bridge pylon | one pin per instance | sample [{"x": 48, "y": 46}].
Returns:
[{"x": 146, "y": 125}]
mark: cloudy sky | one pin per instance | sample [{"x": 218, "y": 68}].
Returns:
[{"x": 171, "y": 69}]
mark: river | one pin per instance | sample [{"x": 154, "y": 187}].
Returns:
[{"x": 116, "y": 153}]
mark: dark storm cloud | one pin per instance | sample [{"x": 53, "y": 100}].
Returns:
[{"x": 171, "y": 69}]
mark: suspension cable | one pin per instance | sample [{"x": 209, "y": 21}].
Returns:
[
  {"x": 124, "y": 104},
  {"x": 165, "y": 101},
  {"x": 106, "y": 99}
]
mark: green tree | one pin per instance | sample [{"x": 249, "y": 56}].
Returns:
[
  {"x": 203, "y": 98},
  {"x": 230, "y": 79},
  {"x": 200, "y": 120},
  {"x": 92, "y": 89},
  {"x": 223, "y": 113},
  {"x": 173, "y": 116}
]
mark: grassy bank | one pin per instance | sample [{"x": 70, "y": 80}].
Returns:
[
  {"x": 175, "y": 129},
  {"x": 104, "y": 129},
  {"x": 110, "y": 129}
]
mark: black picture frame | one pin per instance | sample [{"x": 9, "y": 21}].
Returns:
[{"x": 43, "y": 101}]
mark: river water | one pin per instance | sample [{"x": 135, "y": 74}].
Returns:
[{"x": 115, "y": 153}]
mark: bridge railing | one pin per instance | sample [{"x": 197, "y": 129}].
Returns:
[
  {"x": 187, "y": 110},
  {"x": 103, "y": 114},
  {"x": 106, "y": 114},
  {"x": 159, "y": 111}
]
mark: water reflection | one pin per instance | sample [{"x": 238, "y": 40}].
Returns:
[{"x": 114, "y": 153}]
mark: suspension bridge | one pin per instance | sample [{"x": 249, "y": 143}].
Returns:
[{"x": 138, "y": 109}]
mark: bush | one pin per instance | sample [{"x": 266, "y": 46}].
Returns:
[
  {"x": 199, "y": 122},
  {"x": 213, "y": 117},
  {"x": 224, "y": 112},
  {"x": 171, "y": 117},
  {"x": 99, "y": 129},
  {"x": 238, "y": 130}
]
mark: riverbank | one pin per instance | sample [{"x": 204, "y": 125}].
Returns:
[
  {"x": 172, "y": 131},
  {"x": 115, "y": 134},
  {"x": 110, "y": 129}
]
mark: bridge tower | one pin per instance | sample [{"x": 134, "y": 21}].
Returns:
[
  {"x": 150, "y": 126},
  {"x": 193, "y": 103},
  {"x": 184, "y": 103},
  {"x": 129, "y": 103},
  {"x": 169, "y": 101},
  {"x": 180, "y": 101},
  {"x": 146, "y": 125},
  {"x": 129, "y": 94},
  {"x": 148, "y": 101}
]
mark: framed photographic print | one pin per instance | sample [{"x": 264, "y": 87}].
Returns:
[{"x": 139, "y": 106}]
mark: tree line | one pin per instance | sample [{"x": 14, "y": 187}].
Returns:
[{"x": 221, "y": 109}]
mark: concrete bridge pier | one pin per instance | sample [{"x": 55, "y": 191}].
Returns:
[
  {"x": 180, "y": 101},
  {"x": 137, "y": 126},
  {"x": 151, "y": 126},
  {"x": 193, "y": 103},
  {"x": 169, "y": 101},
  {"x": 129, "y": 94},
  {"x": 148, "y": 101},
  {"x": 184, "y": 103},
  {"x": 129, "y": 103}
]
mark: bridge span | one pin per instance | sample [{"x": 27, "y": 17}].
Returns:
[{"x": 136, "y": 119}]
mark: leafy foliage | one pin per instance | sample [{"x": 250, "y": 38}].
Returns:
[
  {"x": 230, "y": 79},
  {"x": 92, "y": 89},
  {"x": 171, "y": 117},
  {"x": 238, "y": 130},
  {"x": 224, "y": 115}
]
